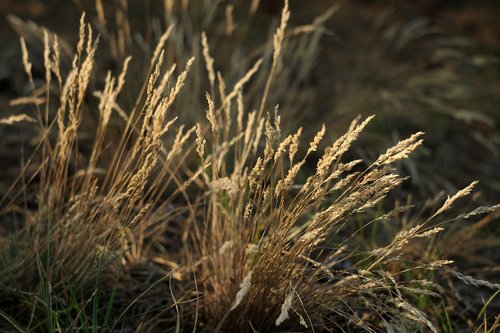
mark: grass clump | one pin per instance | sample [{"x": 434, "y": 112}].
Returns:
[
  {"x": 238, "y": 226},
  {"x": 90, "y": 209}
]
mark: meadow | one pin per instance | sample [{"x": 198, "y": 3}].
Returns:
[{"x": 241, "y": 166}]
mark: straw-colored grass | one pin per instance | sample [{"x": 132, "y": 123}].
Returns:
[{"x": 252, "y": 226}]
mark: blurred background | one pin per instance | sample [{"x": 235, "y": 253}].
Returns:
[{"x": 419, "y": 65}]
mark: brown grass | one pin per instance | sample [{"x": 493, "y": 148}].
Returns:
[{"x": 265, "y": 241}]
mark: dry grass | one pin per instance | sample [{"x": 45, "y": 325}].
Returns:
[
  {"x": 95, "y": 208},
  {"x": 414, "y": 74},
  {"x": 248, "y": 236}
]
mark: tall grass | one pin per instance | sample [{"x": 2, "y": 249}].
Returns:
[{"x": 253, "y": 225}]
